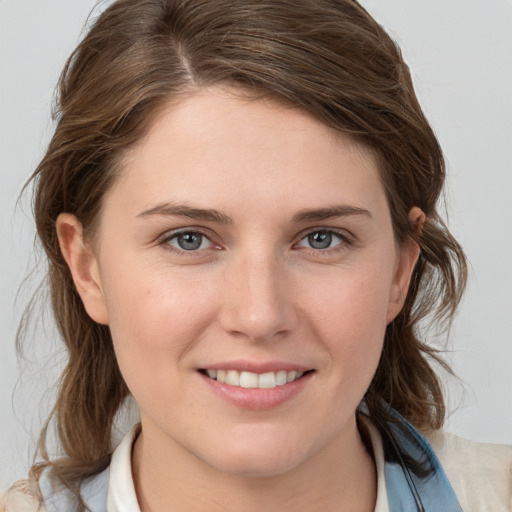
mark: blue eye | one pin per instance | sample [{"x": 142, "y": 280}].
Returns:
[
  {"x": 321, "y": 240},
  {"x": 189, "y": 241}
]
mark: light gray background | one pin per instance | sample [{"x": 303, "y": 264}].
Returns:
[{"x": 460, "y": 52}]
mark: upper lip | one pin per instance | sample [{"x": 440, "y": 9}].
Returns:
[{"x": 256, "y": 367}]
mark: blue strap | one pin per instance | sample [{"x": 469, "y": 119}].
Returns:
[{"x": 415, "y": 480}]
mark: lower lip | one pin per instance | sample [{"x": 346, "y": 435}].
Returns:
[{"x": 256, "y": 399}]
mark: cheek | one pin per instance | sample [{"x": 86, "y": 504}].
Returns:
[
  {"x": 155, "y": 319},
  {"x": 350, "y": 318},
  {"x": 352, "y": 302}
]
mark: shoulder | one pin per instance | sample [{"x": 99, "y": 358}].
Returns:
[
  {"x": 46, "y": 495},
  {"x": 23, "y": 496},
  {"x": 480, "y": 474}
]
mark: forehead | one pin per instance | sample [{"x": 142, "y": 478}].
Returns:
[
  {"x": 219, "y": 144},
  {"x": 200, "y": 109}
]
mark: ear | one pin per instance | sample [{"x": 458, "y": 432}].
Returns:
[
  {"x": 406, "y": 260},
  {"x": 83, "y": 266}
]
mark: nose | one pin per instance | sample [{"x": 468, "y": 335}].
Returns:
[{"x": 258, "y": 299}]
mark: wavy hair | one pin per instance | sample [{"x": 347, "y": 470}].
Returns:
[{"x": 327, "y": 57}]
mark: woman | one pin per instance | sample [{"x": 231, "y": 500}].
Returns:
[{"x": 239, "y": 211}]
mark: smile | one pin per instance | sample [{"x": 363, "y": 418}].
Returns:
[{"x": 250, "y": 380}]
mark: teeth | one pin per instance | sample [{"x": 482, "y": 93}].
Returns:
[
  {"x": 267, "y": 380},
  {"x": 281, "y": 377},
  {"x": 249, "y": 380},
  {"x": 252, "y": 380},
  {"x": 232, "y": 378}
]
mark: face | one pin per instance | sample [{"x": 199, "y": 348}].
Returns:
[{"x": 246, "y": 265}]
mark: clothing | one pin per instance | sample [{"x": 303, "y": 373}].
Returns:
[{"x": 442, "y": 474}]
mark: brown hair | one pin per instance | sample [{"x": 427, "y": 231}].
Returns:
[{"x": 326, "y": 57}]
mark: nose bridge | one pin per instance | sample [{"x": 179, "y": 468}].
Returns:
[{"x": 257, "y": 302}]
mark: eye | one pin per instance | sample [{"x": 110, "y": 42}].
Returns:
[
  {"x": 322, "y": 239},
  {"x": 189, "y": 241}
]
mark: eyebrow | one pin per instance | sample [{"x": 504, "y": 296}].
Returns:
[
  {"x": 182, "y": 210},
  {"x": 211, "y": 215},
  {"x": 330, "y": 213}
]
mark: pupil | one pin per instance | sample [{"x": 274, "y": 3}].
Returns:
[
  {"x": 320, "y": 239},
  {"x": 190, "y": 241}
]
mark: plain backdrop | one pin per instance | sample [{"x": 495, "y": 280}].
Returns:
[{"x": 460, "y": 53}]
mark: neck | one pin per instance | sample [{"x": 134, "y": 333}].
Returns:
[{"x": 340, "y": 476}]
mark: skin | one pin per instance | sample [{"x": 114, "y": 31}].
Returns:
[{"x": 255, "y": 290}]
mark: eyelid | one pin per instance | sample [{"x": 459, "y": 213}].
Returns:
[
  {"x": 164, "y": 239},
  {"x": 346, "y": 238},
  {"x": 343, "y": 233}
]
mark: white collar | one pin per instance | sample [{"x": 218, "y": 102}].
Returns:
[
  {"x": 381, "y": 504},
  {"x": 121, "y": 496}
]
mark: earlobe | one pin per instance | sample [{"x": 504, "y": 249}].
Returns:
[
  {"x": 407, "y": 258},
  {"x": 83, "y": 266}
]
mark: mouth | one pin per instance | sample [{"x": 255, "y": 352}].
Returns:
[{"x": 251, "y": 380}]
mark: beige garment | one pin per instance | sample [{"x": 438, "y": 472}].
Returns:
[
  {"x": 21, "y": 497},
  {"x": 480, "y": 474}
]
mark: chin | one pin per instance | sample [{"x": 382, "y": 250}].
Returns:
[
  {"x": 266, "y": 458},
  {"x": 254, "y": 465}
]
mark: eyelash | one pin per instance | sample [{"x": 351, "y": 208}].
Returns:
[
  {"x": 345, "y": 241},
  {"x": 165, "y": 242}
]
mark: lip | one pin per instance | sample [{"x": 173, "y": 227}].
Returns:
[
  {"x": 256, "y": 367},
  {"x": 256, "y": 399}
]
